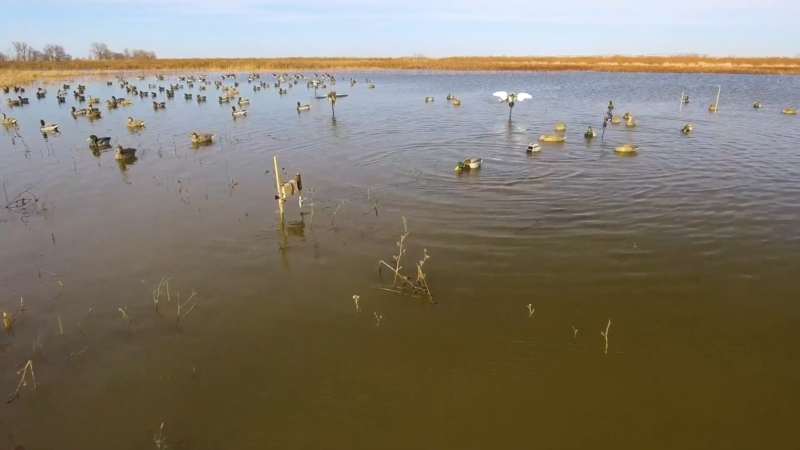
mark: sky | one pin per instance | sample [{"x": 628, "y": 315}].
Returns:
[{"x": 433, "y": 28}]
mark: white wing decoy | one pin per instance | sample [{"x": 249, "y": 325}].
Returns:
[
  {"x": 511, "y": 97},
  {"x": 502, "y": 94}
]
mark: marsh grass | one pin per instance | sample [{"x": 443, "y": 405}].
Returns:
[{"x": 13, "y": 72}]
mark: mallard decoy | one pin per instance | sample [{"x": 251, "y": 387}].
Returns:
[
  {"x": 111, "y": 104},
  {"x": 239, "y": 113},
  {"x": 303, "y": 107},
  {"x": 224, "y": 100},
  {"x": 13, "y": 103},
  {"x": 135, "y": 123},
  {"x": 124, "y": 153},
  {"x": 187, "y": 96},
  {"x": 93, "y": 113},
  {"x": 789, "y": 111},
  {"x": 201, "y": 137},
  {"x": 589, "y": 133},
  {"x": 157, "y": 105},
  {"x": 122, "y": 101},
  {"x": 61, "y": 99},
  {"x": 95, "y": 141},
  {"x": 554, "y": 138},
  {"x": 371, "y": 86},
  {"x": 428, "y": 99},
  {"x": 561, "y": 127},
  {"x": 757, "y": 105},
  {"x": 626, "y": 116},
  {"x": 93, "y": 100},
  {"x": 450, "y": 96},
  {"x": 610, "y": 104},
  {"x": 685, "y": 99},
  {"x": 687, "y": 128},
  {"x": 24, "y": 101},
  {"x": 626, "y": 148},
  {"x": 201, "y": 98},
  {"x": 456, "y": 102},
  {"x": 48, "y": 127},
  {"x": 243, "y": 101},
  {"x": 8, "y": 120},
  {"x": 79, "y": 112},
  {"x": 533, "y": 148}
]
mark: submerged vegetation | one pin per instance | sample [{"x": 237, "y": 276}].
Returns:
[{"x": 18, "y": 72}]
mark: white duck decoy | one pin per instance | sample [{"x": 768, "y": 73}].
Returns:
[
  {"x": 533, "y": 148},
  {"x": 511, "y": 98}
]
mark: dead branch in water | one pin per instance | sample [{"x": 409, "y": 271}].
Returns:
[
  {"x": 22, "y": 382},
  {"x": 419, "y": 287},
  {"x": 605, "y": 333},
  {"x": 178, "y": 317}
]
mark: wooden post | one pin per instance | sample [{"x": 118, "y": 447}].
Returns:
[
  {"x": 278, "y": 185},
  {"x": 681, "y": 107},
  {"x": 717, "y": 104}
]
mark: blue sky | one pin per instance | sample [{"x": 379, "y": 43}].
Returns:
[{"x": 277, "y": 28}]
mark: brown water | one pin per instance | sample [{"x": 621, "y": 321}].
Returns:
[{"x": 689, "y": 248}]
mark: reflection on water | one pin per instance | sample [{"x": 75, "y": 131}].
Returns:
[{"x": 689, "y": 248}]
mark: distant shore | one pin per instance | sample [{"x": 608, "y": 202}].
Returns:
[{"x": 12, "y": 72}]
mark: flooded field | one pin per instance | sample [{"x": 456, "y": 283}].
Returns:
[{"x": 690, "y": 249}]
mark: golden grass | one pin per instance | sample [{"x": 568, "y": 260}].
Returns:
[{"x": 25, "y": 72}]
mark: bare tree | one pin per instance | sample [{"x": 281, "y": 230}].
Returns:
[
  {"x": 126, "y": 54},
  {"x": 142, "y": 54},
  {"x": 3, "y": 57},
  {"x": 36, "y": 55},
  {"x": 100, "y": 50},
  {"x": 53, "y": 52},
  {"x": 23, "y": 50}
]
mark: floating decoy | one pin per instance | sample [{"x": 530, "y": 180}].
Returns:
[
  {"x": 626, "y": 148},
  {"x": 239, "y": 113},
  {"x": 48, "y": 127},
  {"x": 135, "y": 123},
  {"x": 201, "y": 137},
  {"x": 124, "y": 153},
  {"x": 8, "y": 120},
  {"x": 303, "y": 107},
  {"x": 95, "y": 141},
  {"x": 687, "y": 128},
  {"x": 589, "y": 133}
]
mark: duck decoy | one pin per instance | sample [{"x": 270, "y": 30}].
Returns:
[
  {"x": 79, "y": 112},
  {"x": 687, "y": 128},
  {"x": 95, "y": 141},
  {"x": 590, "y": 133},
  {"x": 533, "y": 148},
  {"x": 789, "y": 111},
  {"x": 8, "y": 120},
  {"x": 157, "y": 105},
  {"x": 239, "y": 113},
  {"x": 757, "y": 105},
  {"x": 201, "y": 137},
  {"x": 303, "y": 107},
  {"x": 131, "y": 123},
  {"x": 48, "y": 127},
  {"x": 627, "y": 148},
  {"x": 552, "y": 138},
  {"x": 124, "y": 153}
]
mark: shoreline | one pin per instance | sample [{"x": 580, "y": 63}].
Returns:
[{"x": 12, "y": 72}]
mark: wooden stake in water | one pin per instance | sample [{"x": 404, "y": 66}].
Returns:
[
  {"x": 680, "y": 108},
  {"x": 717, "y": 103},
  {"x": 278, "y": 185}
]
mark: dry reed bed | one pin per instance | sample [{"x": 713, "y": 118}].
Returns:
[{"x": 26, "y": 72}]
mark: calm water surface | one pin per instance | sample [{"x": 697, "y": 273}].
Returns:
[{"x": 690, "y": 249}]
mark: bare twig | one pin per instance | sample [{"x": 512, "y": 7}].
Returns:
[
  {"x": 59, "y": 326},
  {"x": 605, "y": 333},
  {"x": 22, "y": 382},
  {"x": 178, "y": 317},
  {"x": 378, "y": 317},
  {"x": 575, "y": 332},
  {"x": 530, "y": 309},
  {"x": 419, "y": 286},
  {"x": 72, "y": 355},
  {"x": 355, "y": 298},
  {"x": 125, "y": 316}
]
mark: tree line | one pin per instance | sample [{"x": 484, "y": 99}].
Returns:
[{"x": 22, "y": 51}]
